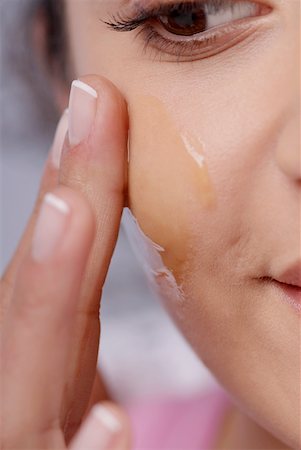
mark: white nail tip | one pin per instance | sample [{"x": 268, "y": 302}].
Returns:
[
  {"x": 84, "y": 87},
  {"x": 57, "y": 203},
  {"x": 107, "y": 418}
]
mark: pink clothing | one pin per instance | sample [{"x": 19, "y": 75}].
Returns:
[{"x": 179, "y": 424}]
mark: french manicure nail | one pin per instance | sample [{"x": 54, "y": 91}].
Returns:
[
  {"x": 50, "y": 228},
  {"x": 101, "y": 430},
  {"x": 82, "y": 110},
  {"x": 59, "y": 138},
  {"x": 107, "y": 419}
]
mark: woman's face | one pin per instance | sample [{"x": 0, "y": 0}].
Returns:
[{"x": 214, "y": 177}]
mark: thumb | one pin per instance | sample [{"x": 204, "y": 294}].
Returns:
[{"x": 106, "y": 428}]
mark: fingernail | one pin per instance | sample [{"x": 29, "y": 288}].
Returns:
[
  {"x": 59, "y": 138},
  {"x": 104, "y": 429},
  {"x": 82, "y": 109},
  {"x": 50, "y": 228},
  {"x": 101, "y": 430},
  {"x": 107, "y": 419}
]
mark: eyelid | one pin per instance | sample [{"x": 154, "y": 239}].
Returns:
[
  {"x": 201, "y": 45},
  {"x": 130, "y": 22},
  {"x": 195, "y": 49}
]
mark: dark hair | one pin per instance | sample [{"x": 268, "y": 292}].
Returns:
[{"x": 53, "y": 11}]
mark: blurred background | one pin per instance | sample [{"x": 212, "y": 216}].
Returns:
[{"x": 142, "y": 354}]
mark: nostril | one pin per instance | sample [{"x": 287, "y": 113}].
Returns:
[{"x": 290, "y": 164}]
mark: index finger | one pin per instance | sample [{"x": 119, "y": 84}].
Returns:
[{"x": 94, "y": 162}]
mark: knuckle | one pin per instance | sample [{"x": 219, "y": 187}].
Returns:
[
  {"x": 31, "y": 301},
  {"x": 30, "y": 309}
]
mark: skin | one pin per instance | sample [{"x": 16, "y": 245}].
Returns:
[
  {"x": 49, "y": 325},
  {"x": 243, "y": 105}
]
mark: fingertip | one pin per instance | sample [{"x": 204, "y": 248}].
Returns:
[
  {"x": 115, "y": 411},
  {"x": 106, "y": 427},
  {"x": 97, "y": 148},
  {"x": 107, "y": 417},
  {"x": 64, "y": 229},
  {"x": 111, "y": 100},
  {"x": 105, "y": 88}
]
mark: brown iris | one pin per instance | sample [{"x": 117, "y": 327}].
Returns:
[{"x": 184, "y": 21}]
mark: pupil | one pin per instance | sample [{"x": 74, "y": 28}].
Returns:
[{"x": 185, "y": 22}]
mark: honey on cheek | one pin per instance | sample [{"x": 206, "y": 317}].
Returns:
[{"x": 168, "y": 181}]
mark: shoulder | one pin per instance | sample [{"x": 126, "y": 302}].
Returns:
[{"x": 178, "y": 423}]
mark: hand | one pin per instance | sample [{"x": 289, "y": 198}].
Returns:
[{"x": 50, "y": 293}]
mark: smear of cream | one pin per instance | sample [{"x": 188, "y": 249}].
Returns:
[
  {"x": 149, "y": 255},
  {"x": 168, "y": 185},
  {"x": 195, "y": 148},
  {"x": 192, "y": 149}
]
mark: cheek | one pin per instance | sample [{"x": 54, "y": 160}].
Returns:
[
  {"x": 193, "y": 196},
  {"x": 168, "y": 180}
]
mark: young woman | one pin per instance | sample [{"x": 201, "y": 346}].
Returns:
[{"x": 188, "y": 113}]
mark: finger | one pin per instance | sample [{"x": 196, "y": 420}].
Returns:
[
  {"x": 40, "y": 319},
  {"x": 99, "y": 392},
  {"x": 94, "y": 163},
  {"x": 106, "y": 428},
  {"x": 48, "y": 182}
]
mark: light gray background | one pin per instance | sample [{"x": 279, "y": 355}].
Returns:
[{"x": 142, "y": 354}]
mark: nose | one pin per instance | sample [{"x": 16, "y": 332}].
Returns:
[{"x": 288, "y": 149}]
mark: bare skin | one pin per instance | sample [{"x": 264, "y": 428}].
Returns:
[
  {"x": 37, "y": 296},
  {"x": 243, "y": 102}
]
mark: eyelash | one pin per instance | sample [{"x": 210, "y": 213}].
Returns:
[
  {"x": 152, "y": 38},
  {"x": 157, "y": 42}
]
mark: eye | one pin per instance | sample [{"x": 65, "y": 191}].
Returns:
[
  {"x": 188, "y": 19},
  {"x": 184, "y": 21},
  {"x": 192, "y": 29}
]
